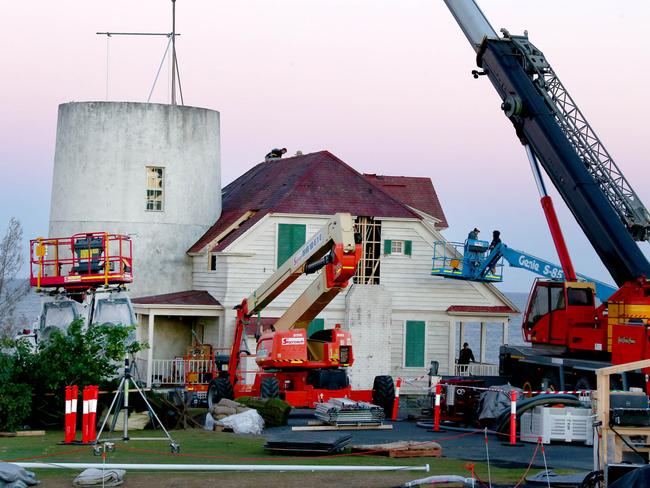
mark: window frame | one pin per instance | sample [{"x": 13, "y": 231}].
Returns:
[
  {"x": 395, "y": 252},
  {"x": 148, "y": 189}
]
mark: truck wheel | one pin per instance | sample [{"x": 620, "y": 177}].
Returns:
[
  {"x": 527, "y": 387},
  {"x": 550, "y": 382},
  {"x": 383, "y": 394},
  {"x": 583, "y": 383},
  {"x": 219, "y": 388},
  {"x": 269, "y": 387}
]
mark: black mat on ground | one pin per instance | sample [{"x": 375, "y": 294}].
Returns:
[
  {"x": 557, "y": 480},
  {"x": 305, "y": 443}
]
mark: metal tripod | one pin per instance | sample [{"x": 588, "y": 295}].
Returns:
[{"x": 122, "y": 398}]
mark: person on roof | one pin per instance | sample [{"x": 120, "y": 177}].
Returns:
[
  {"x": 473, "y": 234},
  {"x": 275, "y": 154}
]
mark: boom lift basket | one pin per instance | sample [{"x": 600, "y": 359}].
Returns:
[
  {"x": 465, "y": 260},
  {"x": 82, "y": 261}
]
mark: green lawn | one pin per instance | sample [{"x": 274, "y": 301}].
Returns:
[{"x": 204, "y": 447}]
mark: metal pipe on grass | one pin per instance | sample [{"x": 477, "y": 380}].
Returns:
[{"x": 218, "y": 467}]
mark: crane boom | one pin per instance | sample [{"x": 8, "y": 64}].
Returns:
[{"x": 545, "y": 117}]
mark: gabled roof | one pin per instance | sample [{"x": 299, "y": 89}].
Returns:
[
  {"x": 313, "y": 184},
  {"x": 415, "y": 191},
  {"x": 190, "y": 297}
]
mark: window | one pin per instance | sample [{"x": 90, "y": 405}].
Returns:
[
  {"x": 155, "y": 177},
  {"x": 213, "y": 262},
  {"x": 580, "y": 296},
  {"x": 290, "y": 238},
  {"x": 315, "y": 326},
  {"x": 539, "y": 306},
  {"x": 398, "y": 247},
  {"x": 414, "y": 344},
  {"x": 368, "y": 269}
]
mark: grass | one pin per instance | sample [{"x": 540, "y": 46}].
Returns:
[{"x": 202, "y": 447}]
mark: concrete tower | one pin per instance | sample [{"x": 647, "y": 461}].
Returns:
[{"x": 144, "y": 169}]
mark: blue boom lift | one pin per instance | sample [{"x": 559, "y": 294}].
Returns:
[{"x": 473, "y": 260}]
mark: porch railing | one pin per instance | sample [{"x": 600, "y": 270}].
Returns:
[
  {"x": 171, "y": 372},
  {"x": 476, "y": 369}
]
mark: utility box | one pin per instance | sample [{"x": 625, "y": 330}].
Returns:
[{"x": 567, "y": 424}]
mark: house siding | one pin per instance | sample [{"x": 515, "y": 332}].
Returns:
[{"x": 407, "y": 290}]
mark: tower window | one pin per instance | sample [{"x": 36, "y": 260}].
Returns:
[{"x": 155, "y": 181}]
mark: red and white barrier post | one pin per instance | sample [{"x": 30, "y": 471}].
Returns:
[
  {"x": 436, "y": 410},
  {"x": 84, "y": 418},
  {"x": 70, "y": 428},
  {"x": 92, "y": 413},
  {"x": 513, "y": 417},
  {"x": 398, "y": 385},
  {"x": 88, "y": 434}
]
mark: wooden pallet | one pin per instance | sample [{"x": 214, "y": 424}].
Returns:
[
  {"x": 23, "y": 433},
  {"x": 401, "y": 449}
]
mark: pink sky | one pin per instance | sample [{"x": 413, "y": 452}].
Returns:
[{"x": 385, "y": 85}]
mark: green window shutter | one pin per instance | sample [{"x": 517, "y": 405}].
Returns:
[
  {"x": 387, "y": 246},
  {"x": 290, "y": 238},
  {"x": 315, "y": 326},
  {"x": 414, "y": 350},
  {"x": 408, "y": 247}
]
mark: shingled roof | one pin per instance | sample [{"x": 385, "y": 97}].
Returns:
[
  {"x": 189, "y": 297},
  {"x": 415, "y": 191},
  {"x": 318, "y": 183}
]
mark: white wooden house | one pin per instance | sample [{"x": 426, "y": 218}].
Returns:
[{"x": 401, "y": 317}]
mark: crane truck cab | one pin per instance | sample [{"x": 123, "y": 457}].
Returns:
[{"x": 563, "y": 313}]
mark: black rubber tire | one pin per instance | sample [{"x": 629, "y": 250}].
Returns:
[
  {"x": 583, "y": 383},
  {"x": 219, "y": 388},
  {"x": 550, "y": 381},
  {"x": 269, "y": 387},
  {"x": 383, "y": 394}
]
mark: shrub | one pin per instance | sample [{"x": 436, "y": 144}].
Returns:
[{"x": 80, "y": 356}]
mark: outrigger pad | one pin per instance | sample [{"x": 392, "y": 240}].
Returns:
[{"x": 304, "y": 443}]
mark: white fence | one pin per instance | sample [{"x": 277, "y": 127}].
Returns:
[{"x": 476, "y": 369}]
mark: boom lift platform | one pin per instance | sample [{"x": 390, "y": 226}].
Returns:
[
  {"x": 81, "y": 276},
  {"x": 473, "y": 260},
  {"x": 302, "y": 370},
  {"x": 81, "y": 262}
]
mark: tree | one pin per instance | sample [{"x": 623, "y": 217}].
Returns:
[
  {"x": 33, "y": 381},
  {"x": 11, "y": 290}
]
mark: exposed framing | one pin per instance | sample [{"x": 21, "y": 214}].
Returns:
[{"x": 368, "y": 270}]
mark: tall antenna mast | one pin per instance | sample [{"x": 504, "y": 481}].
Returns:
[
  {"x": 172, "y": 40},
  {"x": 173, "y": 52}
]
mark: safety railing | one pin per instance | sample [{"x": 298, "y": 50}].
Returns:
[
  {"x": 462, "y": 260},
  {"x": 81, "y": 261},
  {"x": 178, "y": 371},
  {"x": 476, "y": 369}
]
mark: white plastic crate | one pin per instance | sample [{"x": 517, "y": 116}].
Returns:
[{"x": 568, "y": 424}]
